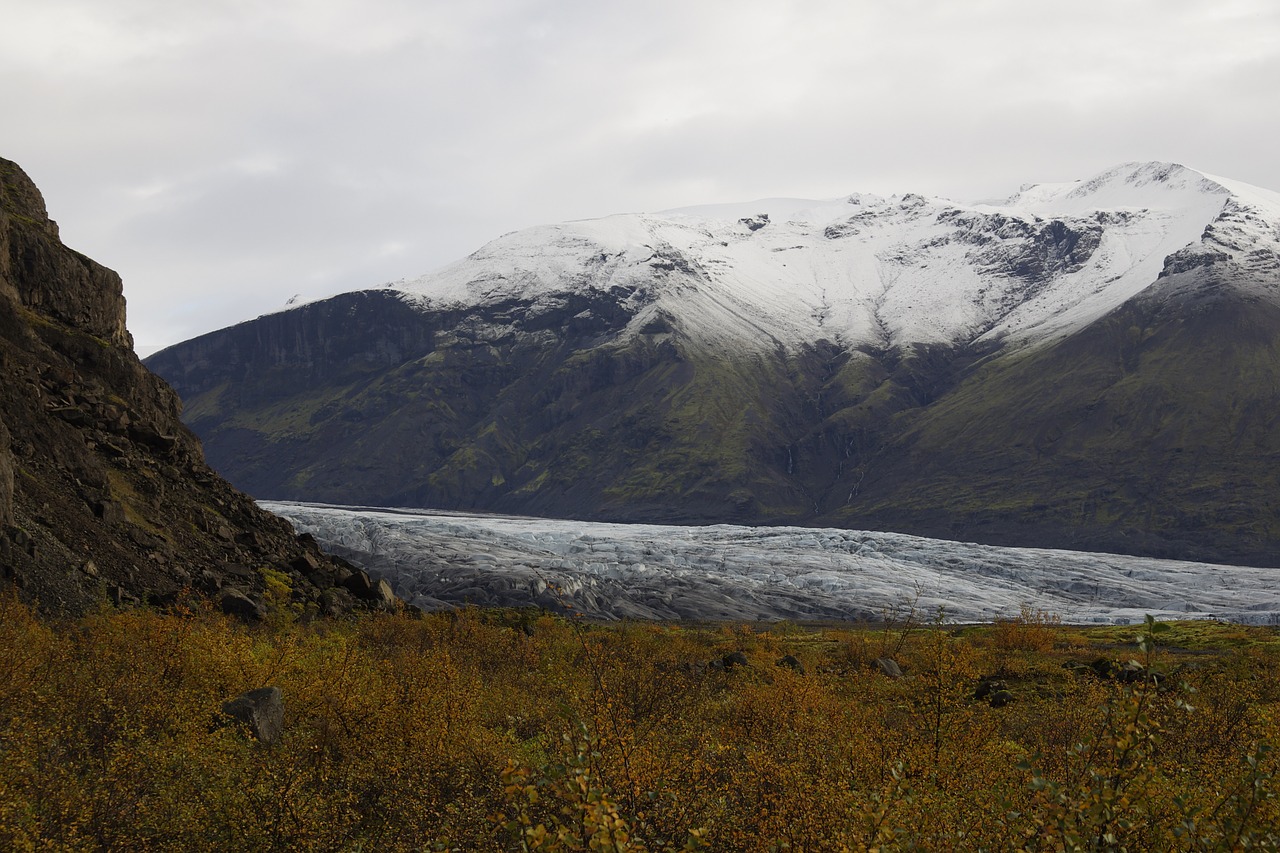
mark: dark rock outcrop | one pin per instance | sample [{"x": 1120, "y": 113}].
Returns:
[
  {"x": 6, "y": 479},
  {"x": 96, "y": 469}
]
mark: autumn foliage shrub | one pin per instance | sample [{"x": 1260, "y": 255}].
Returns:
[
  {"x": 1032, "y": 630},
  {"x": 511, "y": 730}
]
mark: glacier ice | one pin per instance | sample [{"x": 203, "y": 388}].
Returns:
[{"x": 613, "y": 571}]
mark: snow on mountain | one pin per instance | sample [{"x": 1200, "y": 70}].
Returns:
[
  {"x": 731, "y": 572},
  {"x": 877, "y": 272}
]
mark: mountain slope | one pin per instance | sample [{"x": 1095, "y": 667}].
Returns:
[
  {"x": 104, "y": 494},
  {"x": 1089, "y": 364}
]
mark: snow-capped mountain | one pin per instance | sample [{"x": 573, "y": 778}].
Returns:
[
  {"x": 866, "y": 271},
  {"x": 1092, "y": 364}
]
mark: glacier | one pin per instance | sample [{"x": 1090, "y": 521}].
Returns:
[{"x": 438, "y": 560}]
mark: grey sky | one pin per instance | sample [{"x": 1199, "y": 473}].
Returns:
[{"x": 223, "y": 155}]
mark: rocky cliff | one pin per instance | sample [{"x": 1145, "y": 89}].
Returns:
[{"x": 104, "y": 494}]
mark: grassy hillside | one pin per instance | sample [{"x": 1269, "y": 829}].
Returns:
[
  {"x": 519, "y": 731},
  {"x": 1153, "y": 431}
]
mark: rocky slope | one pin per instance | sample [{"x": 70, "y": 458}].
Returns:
[
  {"x": 104, "y": 494},
  {"x": 1087, "y": 365}
]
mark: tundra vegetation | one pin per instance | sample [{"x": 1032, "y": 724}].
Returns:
[{"x": 518, "y": 730}]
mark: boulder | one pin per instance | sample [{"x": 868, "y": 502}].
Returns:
[
  {"x": 1134, "y": 672},
  {"x": 889, "y": 667},
  {"x": 307, "y": 563},
  {"x": 1101, "y": 667},
  {"x": 111, "y": 512},
  {"x": 1131, "y": 672},
  {"x": 792, "y": 663},
  {"x": 1000, "y": 698},
  {"x": 359, "y": 584},
  {"x": 989, "y": 686},
  {"x": 336, "y": 601},
  {"x": 235, "y": 603},
  {"x": 729, "y": 661},
  {"x": 237, "y": 570},
  {"x": 261, "y": 710},
  {"x": 382, "y": 595}
]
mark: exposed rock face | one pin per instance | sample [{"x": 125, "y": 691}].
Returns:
[
  {"x": 49, "y": 278},
  {"x": 6, "y": 479},
  {"x": 104, "y": 494}
]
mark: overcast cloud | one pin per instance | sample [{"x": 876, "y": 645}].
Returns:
[{"x": 223, "y": 155}]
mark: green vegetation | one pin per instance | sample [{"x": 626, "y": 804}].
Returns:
[
  {"x": 515, "y": 730},
  {"x": 1109, "y": 430},
  {"x": 133, "y": 504}
]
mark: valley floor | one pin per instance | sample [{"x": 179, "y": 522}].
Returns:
[{"x": 519, "y": 730}]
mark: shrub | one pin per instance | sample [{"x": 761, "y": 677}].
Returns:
[{"x": 410, "y": 734}]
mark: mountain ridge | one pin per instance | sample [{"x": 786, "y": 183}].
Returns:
[
  {"x": 859, "y": 296},
  {"x": 798, "y": 364}
]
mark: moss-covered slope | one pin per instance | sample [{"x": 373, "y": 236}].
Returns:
[
  {"x": 1151, "y": 431},
  {"x": 1156, "y": 430}
]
